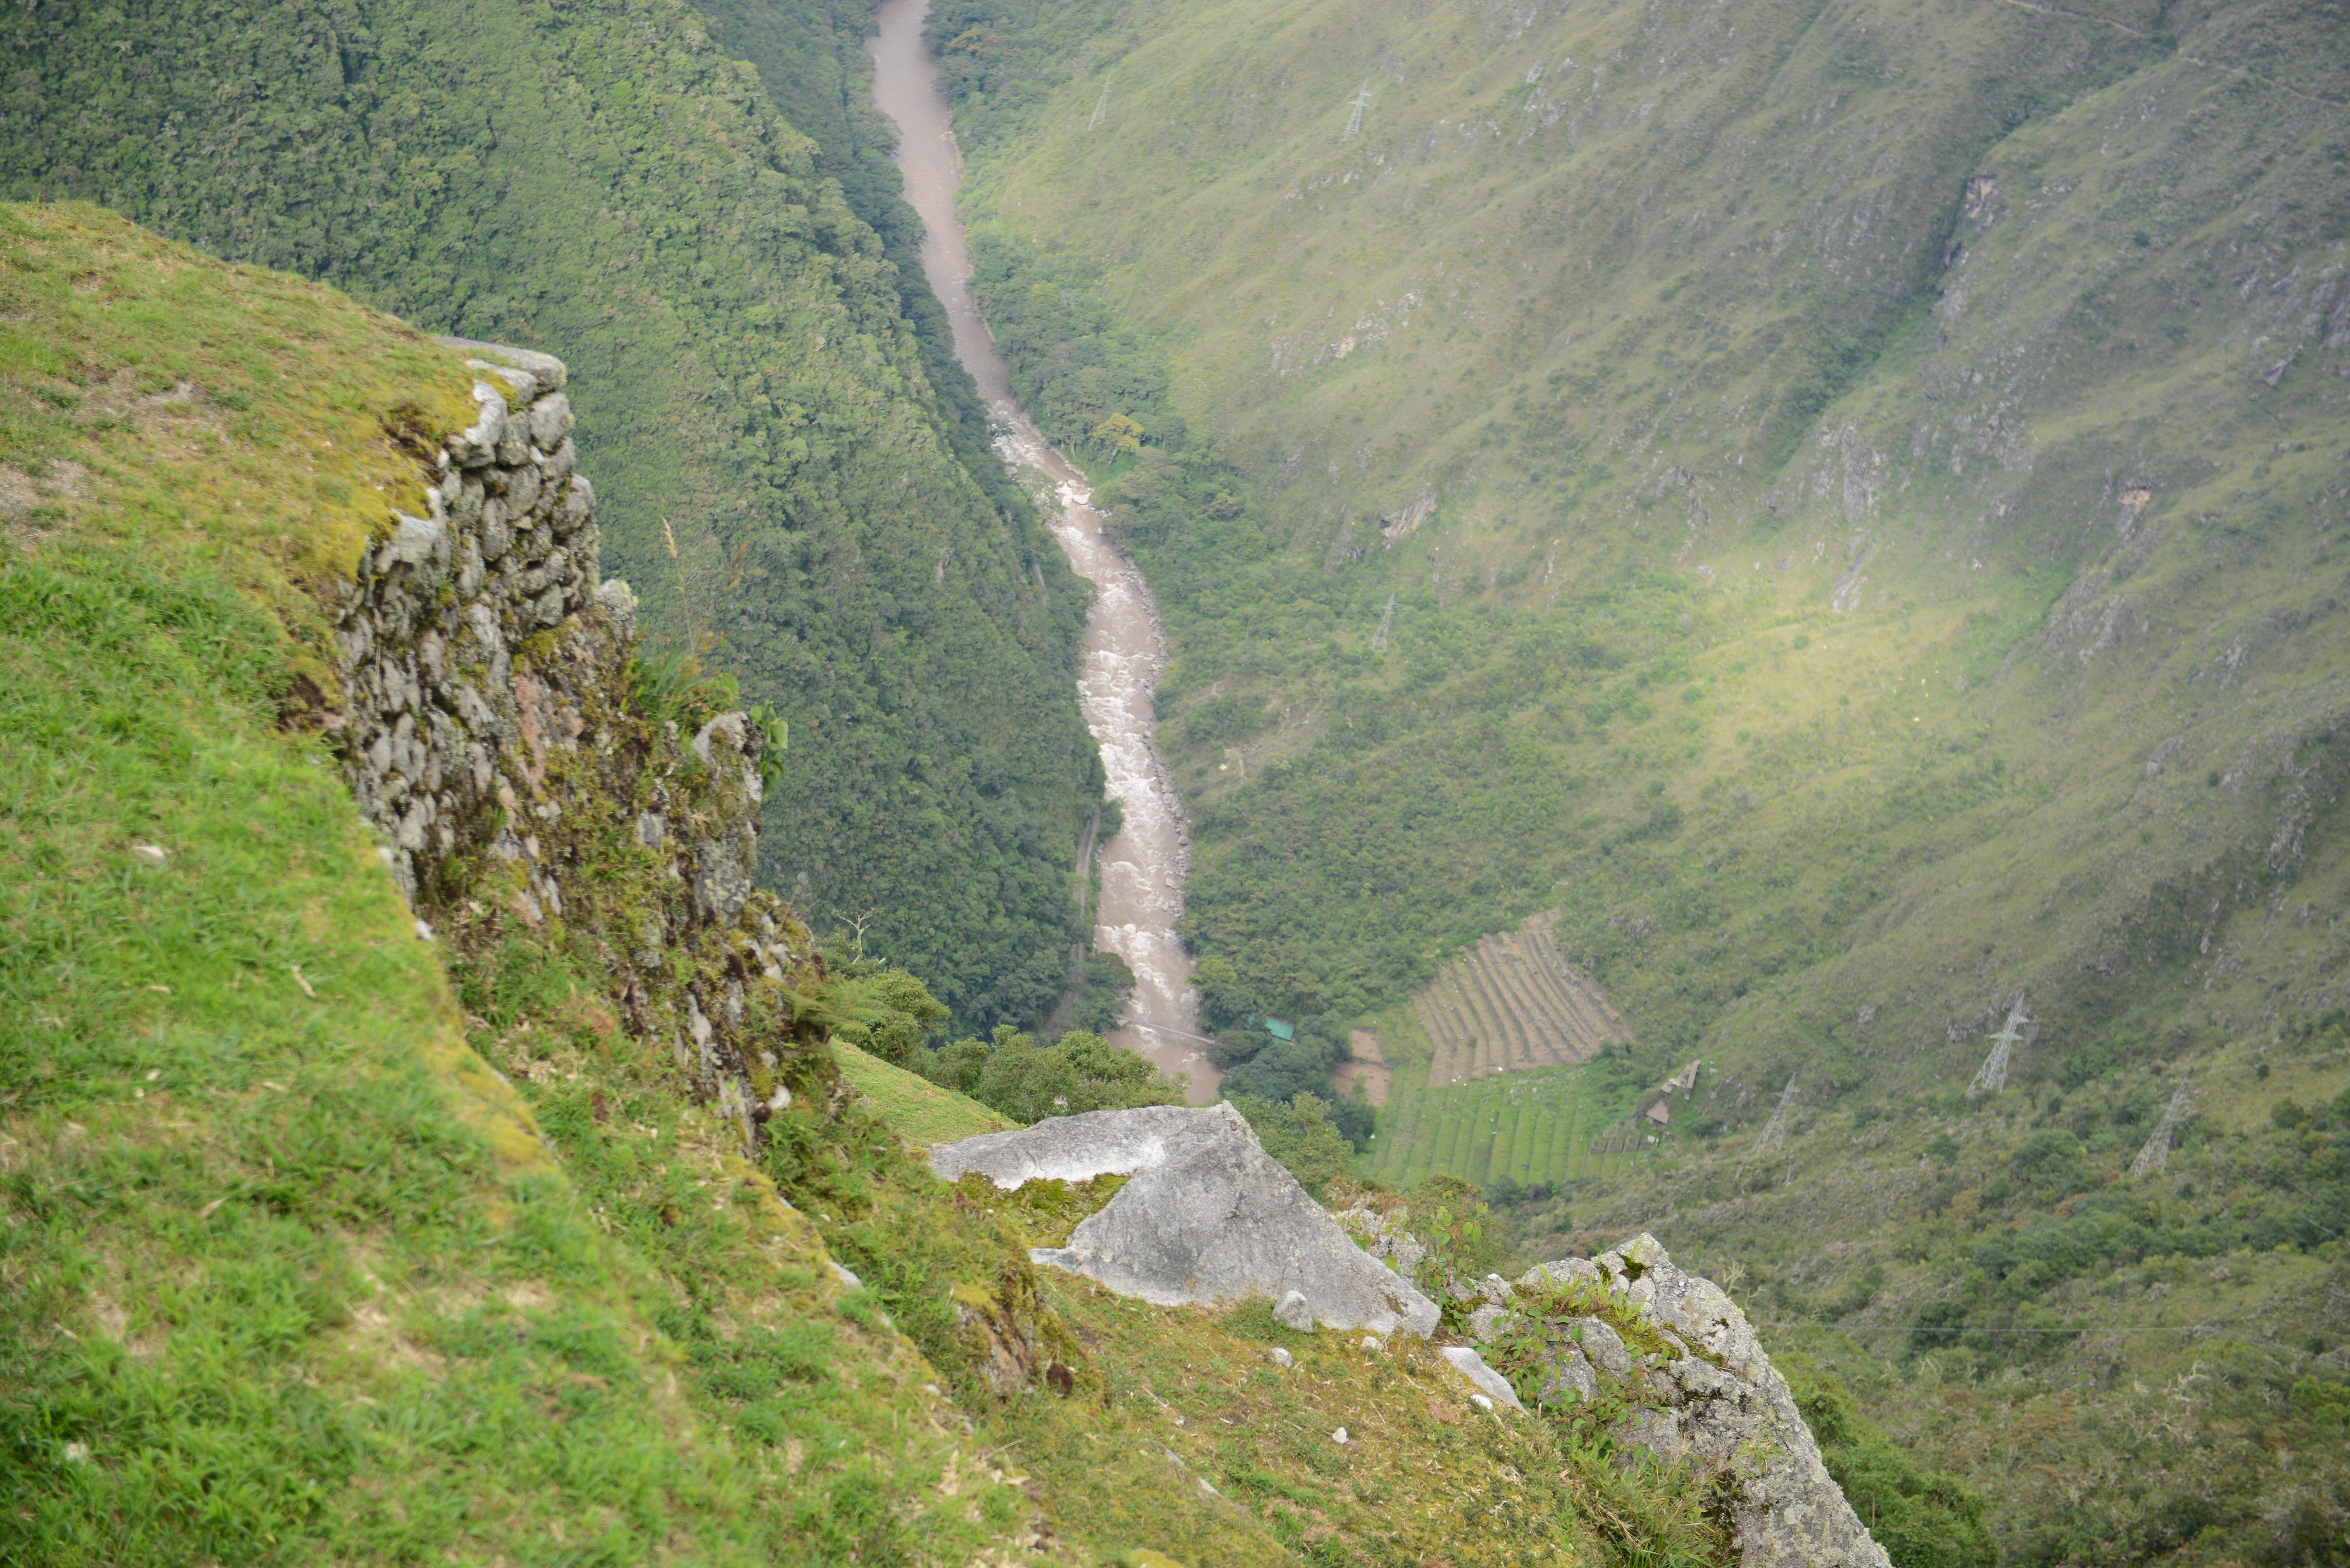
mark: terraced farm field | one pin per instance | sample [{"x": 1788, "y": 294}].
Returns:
[
  {"x": 1512, "y": 1003},
  {"x": 1531, "y": 1126}
]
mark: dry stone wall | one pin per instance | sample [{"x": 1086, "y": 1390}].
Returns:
[
  {"x": 489, "y": 730},
  {"x": 440, "y": 729}
]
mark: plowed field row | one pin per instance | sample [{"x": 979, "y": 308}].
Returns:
[{"x": 1511, "y": 1003}]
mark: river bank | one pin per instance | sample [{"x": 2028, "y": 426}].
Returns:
[{"x": 1143, "y": 869}]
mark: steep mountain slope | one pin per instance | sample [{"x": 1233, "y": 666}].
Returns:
[
  {"x": 294, "y": 1276},
  {"x": 1817, "y": 459},
  {"x": 330, "y": 1236},
  {"x": 812, "y": 59},
  {"x": 1843, "y": 505},
  {"x": 601, "y": 180}
]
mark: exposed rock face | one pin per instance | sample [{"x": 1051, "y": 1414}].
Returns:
[
  {"x": 1208, "y": 1216},
  {"x": 485, "y": 725},
  {"x": 1718, "y": 1399}
]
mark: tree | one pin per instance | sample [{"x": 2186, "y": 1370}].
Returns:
[
  {"x": 1301, "y": 1136},
  {"x": 1284, "y": 1069},
  {"x": 884, "y": 1013},
  {"x": 1078, "y": 1072},
  {"x": 1118, "y": 435}
]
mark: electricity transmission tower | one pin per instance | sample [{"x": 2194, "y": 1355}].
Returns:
[
  {"x": 1362, "y": 101},
  {"x": 1379, "y": 637},
  {"x": 2155, "y": 1157},
  {"x": 1102, "y": 109},
  {"x": 1774, "y": 1131},
  {"x": 1992, "y": 1076}
]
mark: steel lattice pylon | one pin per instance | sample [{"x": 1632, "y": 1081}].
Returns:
[
  {"x": 1774, "y": 1131},
  {"x": 1991, "y": 1078},
  {"x": 2155, "y": 1157}
]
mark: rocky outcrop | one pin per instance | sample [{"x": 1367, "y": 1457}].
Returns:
[
  {"x": 1700, "y": 1387},
  {"x": 487, "y": 721},
  {"x": 1207, "y": 1217}
]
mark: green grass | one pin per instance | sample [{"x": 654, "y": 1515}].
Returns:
[
  {"x": 777, "y": 476},
  {"x": 292, "y": 1275},
  {"x": 921, "y": 1112},
  {"x": 1529, "y": 1127}
]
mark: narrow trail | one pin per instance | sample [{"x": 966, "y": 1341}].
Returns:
[{"x": 1143, "y": 869}]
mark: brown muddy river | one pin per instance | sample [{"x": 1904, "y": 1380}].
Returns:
[{"x": 1143, "y": 869}]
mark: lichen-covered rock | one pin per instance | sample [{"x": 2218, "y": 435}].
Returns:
[
  {"x": 1208, "y": 1216},
  {"x": 1712, "y": 1396},
  {"x": 1383, "y": 1234}
]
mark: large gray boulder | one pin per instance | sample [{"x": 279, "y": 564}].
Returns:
[
  {"x": 1718, "y": 1400},
  {"x": 1208, "y": 1217}
]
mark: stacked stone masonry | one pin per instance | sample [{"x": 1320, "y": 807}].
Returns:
[
  {"x": 440, "y": 726},
  {"x": 485, "y": 685}
]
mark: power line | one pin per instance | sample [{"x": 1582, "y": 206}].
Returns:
[{"x": 1958, "y": 1330}]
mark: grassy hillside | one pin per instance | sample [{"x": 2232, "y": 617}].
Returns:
[
  {"x": 2134, "y": 1367},
  {"x": 1843, "y": 505},
  {"x": 327, "y": 1239},
  {"x": 921, "y": 1112},
  {"x": 293, "y": 1275},
  {"x": 603, "y": 181},
  {"x": 1813, "y": 705}
]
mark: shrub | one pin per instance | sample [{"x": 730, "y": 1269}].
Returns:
[
  {"x": 1299, "y": 1133},
  {"x": 1078, "y": 1073}
]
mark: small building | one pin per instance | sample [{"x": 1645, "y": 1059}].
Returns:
[{"x": 1659, "y": 1113}]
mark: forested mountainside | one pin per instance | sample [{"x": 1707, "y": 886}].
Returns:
[
  {"x": 517, "y": 1192},
  {"x": 797, "y": 491},
  {"x": 1837, "y": 511},
  {"x": 1842, "y": 502}
]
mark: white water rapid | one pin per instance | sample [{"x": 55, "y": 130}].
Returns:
[{"x": 1144, "y": 866}]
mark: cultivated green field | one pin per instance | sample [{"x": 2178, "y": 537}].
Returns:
[{"x": 1531, "y": 1127}]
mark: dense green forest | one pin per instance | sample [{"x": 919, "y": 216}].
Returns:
[
  {"x": 793, "y": 474},
  {"x": 1497, "y": 582},
  {"x": 1842, "y": 507}
]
